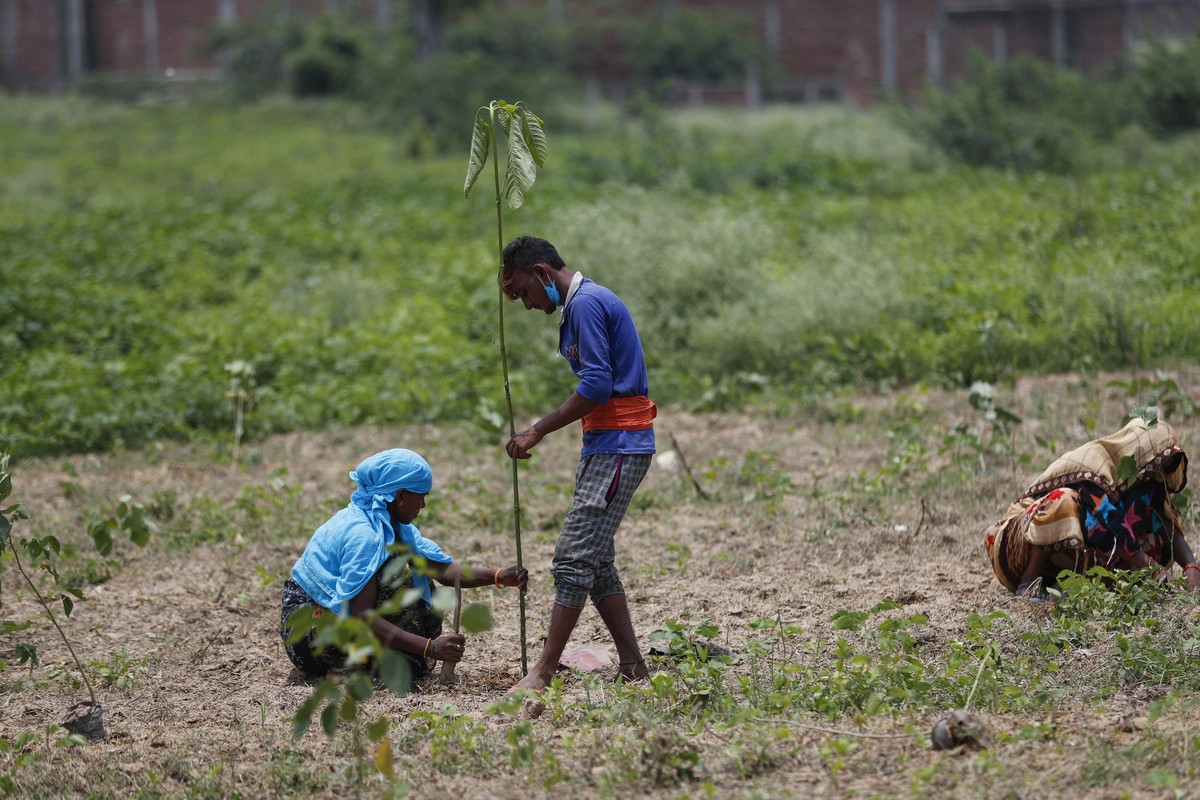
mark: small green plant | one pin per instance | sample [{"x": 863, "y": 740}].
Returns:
[
  {"x": 1157, "y": 397},
  {"x": 41, "y": 556},
  {"x": 241, "y": 392}
]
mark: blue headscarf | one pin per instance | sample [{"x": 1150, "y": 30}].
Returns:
[{"x": 350, "y": 548}]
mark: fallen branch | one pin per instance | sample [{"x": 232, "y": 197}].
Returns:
[{"x": 686, "y": 469}]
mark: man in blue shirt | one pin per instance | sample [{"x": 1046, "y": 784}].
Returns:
[{"x": 597, "y": 336}]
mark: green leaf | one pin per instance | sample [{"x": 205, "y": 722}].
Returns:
[
  {"x": 68, "y": 605},
  {"x": 359, "y": 687},
  {"x": 395, "y": 672},
  {"x": 442, "y": 600},
  {"x": 481, "y": 142},
  {"x": 535, "y": 137},
  {"x": 1127, "y": 468},
  {"x": 329, "y": 718},
  {"x": 521, "y": 172},
  {"x": 26, "y": 653},
  {"x": 304, "y": 713},
  {"x": 378, "y": 729},
  {"x": 5, "y": 485},
  {"x": 101, "y": 536},
  {"x": 849, "y": 620},
  {"x": 476, "y": 618},
  {"x": 5, "y": 531}
]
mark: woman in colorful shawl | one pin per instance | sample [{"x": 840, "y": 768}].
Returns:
[
  {"x": 1108, "y": 502},
  {"x": 367, "y": 553}
]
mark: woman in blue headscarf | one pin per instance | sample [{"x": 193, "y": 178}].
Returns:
[{"x": 368, "y": 552}]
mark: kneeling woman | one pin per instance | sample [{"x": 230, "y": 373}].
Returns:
[
  {"x": 349, "y": 567},
  {"x": 1108, "y": 502}
]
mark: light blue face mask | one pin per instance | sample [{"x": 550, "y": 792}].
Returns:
[{"x": 552, "y": 293}]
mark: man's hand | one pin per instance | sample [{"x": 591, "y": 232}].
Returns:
[
  {"x": 514, "y": 576},
  {"x": 522, "y": 442}
]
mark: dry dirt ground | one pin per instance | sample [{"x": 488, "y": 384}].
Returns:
[{"x": 205, "y": 708}]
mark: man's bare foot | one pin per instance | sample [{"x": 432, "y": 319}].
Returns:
[
  {"x": 534, "y": 681},
  {"x": 633, "y": 671}
]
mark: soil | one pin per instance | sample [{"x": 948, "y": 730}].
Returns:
[{"x": 212, "y": 692}]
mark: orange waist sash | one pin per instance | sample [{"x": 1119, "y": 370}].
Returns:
[{"x": 621, "y": 414}]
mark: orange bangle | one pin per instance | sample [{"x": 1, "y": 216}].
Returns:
[
  {"x": 425, "y": 652},
  {"x": 496, "y": 579}
]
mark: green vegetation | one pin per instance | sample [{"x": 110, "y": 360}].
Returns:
[
  {"x": 1027, "y": 116},
  {"x": 168, "y": 270}
]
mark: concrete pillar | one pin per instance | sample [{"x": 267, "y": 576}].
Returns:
[
  {"x": 74, "y": 39},
  {"x": 227, "y": 11},
  {"x": 12, "y": 29},
  {"x": 384, "y": 18},
  {"x": 934, "y": 60},
  {"x": 753, "y": 89},
  {"x": 1129, "y": 26},
  {"x": 772, "y": 30},
  {"x": 889, "y": 46},
  {"x": 150, "y": 35},
  {"x": 1058, "y": 35},
  {"x": 999, "y": 41}
]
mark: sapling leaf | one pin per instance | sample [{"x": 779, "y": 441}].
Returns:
[
  {"x": 329, "y": 717},
  {"x": 101, "y": 536},
  {"x": 304, "y": 713},
  {"x": 1127, "y": 468},
  {"x": 383, "y": 756},
  {"x": 5, "y": 531},
  {"x": 442, "y": 600},
  {"x": 521, "y": 172},
  {"x": 476, "y": 618},
  {"x": 481, "y": 142},
  {"x": 535, "y": 137},
  {"x": 349, "y": 710},
  {"x": 359, "y": 688},
  {"x": 68, "y": 605},
  {"x": 394, "y": 672},
  {"x": 5, "y": 484},
  {"x": 26, "y": 653},
  {"x": 848, "y": 620},
  {"x": 377, "y": 729}
]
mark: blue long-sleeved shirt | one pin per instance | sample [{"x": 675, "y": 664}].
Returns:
[{"x": 600, "y": 342}]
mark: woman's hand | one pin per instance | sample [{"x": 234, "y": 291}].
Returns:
[
  {"x": 513, "y": 576},
  {"x": 449, "y": 647},
  {"x": 1191, "y": 574}
]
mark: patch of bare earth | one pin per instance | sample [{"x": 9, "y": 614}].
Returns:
[{"x": 212, "y": 693}]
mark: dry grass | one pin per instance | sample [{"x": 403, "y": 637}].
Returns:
[{"x": 207, "y": 712}]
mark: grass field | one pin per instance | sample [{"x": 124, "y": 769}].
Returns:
[
  {"x": 145, "y": 250},
  {"x": 816, "y": 295}
]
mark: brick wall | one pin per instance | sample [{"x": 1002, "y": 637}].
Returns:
[
  {"x": 826, "y": 49},
  {"x": 33, "y": 56}
]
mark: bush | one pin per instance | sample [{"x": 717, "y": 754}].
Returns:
[
  {"x": 1169, "y": 79},
  {"x": 1026, "y": 116}
]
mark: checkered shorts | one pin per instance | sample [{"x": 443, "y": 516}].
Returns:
[{"x": 584, "y": 563}]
